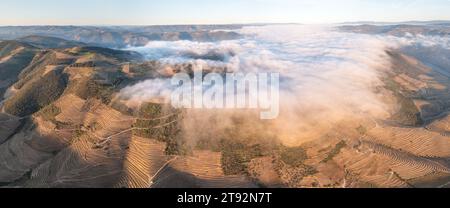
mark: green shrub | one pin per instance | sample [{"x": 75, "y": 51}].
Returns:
[
  {"x": 236, "y": 156},
  {"x": 165, "y": 130},
  {"x": 50, "y": 112},
  {"x": 361, "y": 130},
  {"x": 78, "y": 133},
  {"x": 150, "y": 110},
  {"x": 334, "y": 152},
  {"x": 294, "y": 156}
]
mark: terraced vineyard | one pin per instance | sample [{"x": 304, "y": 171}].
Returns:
[
  {"x": 80, "y": 166},
  {"x": 409, "y": 166},
  {"x": 202, "y": 170},
  {"x": 441, "y": 126},
  {"x": 387, "y": 167},
  {"x": 143, "y": 160},
  {"x": 418, "y": 141},
  {"x": 18, "y": 156},
  {"x": 99, "y": 154},
  {"x": 370, "y": 168}
]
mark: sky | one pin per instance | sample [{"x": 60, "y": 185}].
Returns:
[{"x": 161, "y": 12}]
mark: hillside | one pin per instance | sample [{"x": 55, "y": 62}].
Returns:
[
  {"x": 48, "y": 42},
  {"x": 64, "y": 124},
  {"x": 400, "y": 30},
  {"x": 14, "y": 56},
  {"x": 62, "y": 117},
  {"x": 114, "y": 37}
]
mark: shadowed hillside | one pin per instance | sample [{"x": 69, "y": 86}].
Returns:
[{"x": 48, "y": 42}]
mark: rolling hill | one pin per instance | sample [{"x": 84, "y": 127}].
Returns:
[{"x": 114, "y": 37}]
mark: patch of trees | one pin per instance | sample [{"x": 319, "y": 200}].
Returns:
[
  {"x": 295, "y": 157},
  {"x": 92, "y": 89},
  {"x": 50, "y": 112},
  {"x": 238, "y": 146},
  {"x": 163, "y": 127},
  {"x": 236, "y": 155},
  {"x": 63, "y": 61},
  {"x": 335, "y": 151},
  {"x": 84, "y": 64}
]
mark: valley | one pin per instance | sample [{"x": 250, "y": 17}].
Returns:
[{"x": 67, "y": 123}]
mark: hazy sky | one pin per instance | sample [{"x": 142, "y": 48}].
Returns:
[{"x": 148, "y": 12}]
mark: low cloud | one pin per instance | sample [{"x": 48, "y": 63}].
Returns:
[{"x": 327, "y": 78}]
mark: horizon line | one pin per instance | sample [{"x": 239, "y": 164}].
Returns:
[{"x": 211, "y": 24}]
